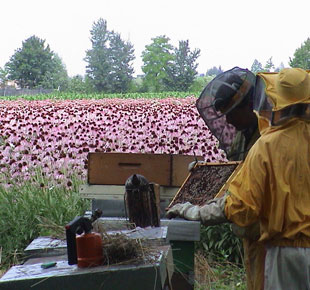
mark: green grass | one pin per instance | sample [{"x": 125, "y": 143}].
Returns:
[
  {"x": 30, "y": 210},
  {"x": 219, "y": 259},
  {"x": 219, "y": 274}
]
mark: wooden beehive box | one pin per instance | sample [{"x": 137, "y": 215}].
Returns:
[
  {"x": 115, "y": 168},
  {"x": 205, "y": 182}
]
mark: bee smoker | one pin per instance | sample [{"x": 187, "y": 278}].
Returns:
[
  {"x": 85, "y": 250},
  {"x": 140, "y": 202}
]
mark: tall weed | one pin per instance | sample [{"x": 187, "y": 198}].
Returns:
[
  {"x": 222, "y": 275},
  {"x": 26, "y": 208},
  {"x": 219, "y": 242}
]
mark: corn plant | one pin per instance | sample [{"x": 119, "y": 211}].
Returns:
[{"x": 79, "y": 96}]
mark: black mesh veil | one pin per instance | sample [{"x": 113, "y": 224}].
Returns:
[{"x": 224, "y": 93}]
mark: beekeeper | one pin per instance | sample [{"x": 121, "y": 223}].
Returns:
[
  {"x": 226, "y": 106},
  {"x": 273, "y": 185}
]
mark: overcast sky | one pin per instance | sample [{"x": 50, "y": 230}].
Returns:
[{"x": 228, "y": 33}]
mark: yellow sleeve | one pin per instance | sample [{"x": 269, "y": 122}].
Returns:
[{"x": 245, "y": 193}]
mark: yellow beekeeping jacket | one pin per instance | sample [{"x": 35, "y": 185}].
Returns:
[{"x": 273, "y": 186}]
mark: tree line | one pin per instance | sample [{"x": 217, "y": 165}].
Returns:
[{"x": 109, "y": 65}]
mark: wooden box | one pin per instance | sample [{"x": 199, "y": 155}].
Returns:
[
  {"x": 205, "y": 182},
  {"x": 115, "y": 168}
]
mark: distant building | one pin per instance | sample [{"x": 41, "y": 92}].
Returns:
[{"x": 12, "y": 84}]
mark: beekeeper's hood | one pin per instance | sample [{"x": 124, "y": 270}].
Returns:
[
  {"x": 223, "y": 94},
  {"x": 282, "y": 96}
]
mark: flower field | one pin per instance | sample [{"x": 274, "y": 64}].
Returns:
[
  {"x": 44, "y": 146},
  {"x": 55, "y": 136}
]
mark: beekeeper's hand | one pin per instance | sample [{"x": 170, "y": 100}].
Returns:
[
  {"x": 211, "y": 213},
  {"x": 184, "y": 210},
  {"x": 193, "y": 164}
]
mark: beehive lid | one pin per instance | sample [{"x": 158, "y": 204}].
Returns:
[{"x": 115, "y": 168}]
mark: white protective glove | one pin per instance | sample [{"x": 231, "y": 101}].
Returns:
[
  {"x": 192, "y": 165},
  {"x": 212, "y": 213},
  {"x": 179, "y": 210}
]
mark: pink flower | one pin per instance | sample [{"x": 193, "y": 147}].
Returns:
[{"x": 57, "y": 134}]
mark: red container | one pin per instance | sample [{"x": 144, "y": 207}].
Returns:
[{"x": 89, "y": 250}]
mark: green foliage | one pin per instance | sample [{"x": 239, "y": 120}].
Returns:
[
  {"x": 3, "y": 77},
  {"x": 220, "y": 243},
  {"x": 223, "y": 275},
  {"x": 280, "y": 67},
  {"x": 98, "y": 58},
  {"x": 214, "y": 71},
  {"x": 80, "y": 96},
  {"x": 56, "y": 78},
  {"x": 34, "y": 65},
  {"x": 256, "y": 67},
  {"x": 122, "y": 54},
  {"x": 138, "y": 85},
  {"x": 301, "y": 57},
  {"x": 25, "y": 210},
  {"x": 269, "y": 66},
  {"x": 156, "y": 58},
  {"x": 109, "y": 61},
  {"x": 79, "y": 84},
  {"x": 199, "y": 83},
  {"x": 181, "y": 71}
]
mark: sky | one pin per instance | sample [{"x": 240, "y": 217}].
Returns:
[{"x": 228, "y": 33}]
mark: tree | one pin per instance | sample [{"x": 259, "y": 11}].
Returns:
[
  {"x": 79, "y": 84},
  {"x": 3, "y": 77},
  {"x": 256, "y": 67},
  {"x": 214, "y": 71},
  {"x": 97, "y": 57},
  {"x": 199, "y": 83},
  {"x": 301, "y": 57},
  {"x": 280, "y": 67},
  {"x": 269, "y": 66},
  {"x": 122, "y": 54},
  {"x": 181, "y": 71},
  {"x": 156, "y": 58},
  {"x": 138, "y": 85},
  {"x": 34, "y": 64},
  {"x": 109, "y": 61},
  {"x": 56, "y": 78}
]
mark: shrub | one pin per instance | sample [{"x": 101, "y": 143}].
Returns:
[{"x": 219, "y": 242}]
